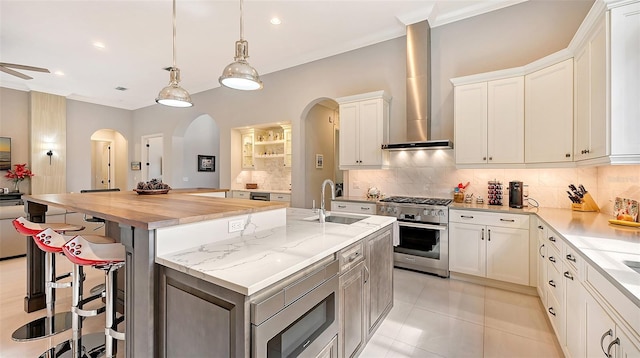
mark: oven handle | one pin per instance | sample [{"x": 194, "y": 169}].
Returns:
[{"x": 423, "y": 226}]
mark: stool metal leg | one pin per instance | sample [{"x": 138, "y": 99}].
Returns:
[{"x": 52, "y": 323}]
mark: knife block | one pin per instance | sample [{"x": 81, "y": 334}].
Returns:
[{"x": 587, "y": 204}]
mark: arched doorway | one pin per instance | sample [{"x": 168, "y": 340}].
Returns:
[
  {"x": 109, "y": 153},
  {"x": 321, "y": 136}
]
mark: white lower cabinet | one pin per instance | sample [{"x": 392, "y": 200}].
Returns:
[
  {"x": 492, "y": 251},
  {"x": 574, "y": 314},
  {"x": 600, "y": 331}
]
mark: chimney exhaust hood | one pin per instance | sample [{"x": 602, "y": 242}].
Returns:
[{"x": 418, "y": 92}]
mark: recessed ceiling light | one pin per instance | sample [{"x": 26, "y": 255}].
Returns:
[
  {"x": 276, "y": 21},
  {"x": 99, "y": 45},
  {"x": 59, "y": 73}
]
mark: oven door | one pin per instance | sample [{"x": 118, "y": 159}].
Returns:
[
  {"x": 423, "y": 247},
  {"x": 303, "y": 328}
]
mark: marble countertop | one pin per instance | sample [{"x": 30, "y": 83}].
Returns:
[
  {"x": 250, "y": 263},
  {"x": 605, "y": 246}
]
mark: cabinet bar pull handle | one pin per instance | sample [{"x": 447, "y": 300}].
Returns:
[
  {"x": 488, "y": 234},
  {"x": 364, "y": 208},
  {"x": 552, "y": 259},
  {"x": 552, "y": 239},
  {"x": 615, "y": 341},
  {"x": 367, "y": 270},
  {"x": 607, "y": 333},
  {"x": 508, "y": 220},
  {"x": 540, "y": 227},
  {"x": 342, "y": 206},
  {"x": 568, "y": 275},
  {"x": 466, "y": 216},
  {"x": 540, "y": 251},
  {"x": 482, "y": 237},
  {"x": 353, "y": 256},
  {"x": 571, "y": 258},
  {"x": 551, "y": 311},
  {"x": 551, "y": 283}
]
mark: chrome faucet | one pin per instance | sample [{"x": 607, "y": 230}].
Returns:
[{"x": 322, "y": 212}]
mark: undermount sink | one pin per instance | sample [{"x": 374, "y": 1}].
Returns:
[
  {"x": 340, "y": 219},
  {"x": 634, "y": 265}
]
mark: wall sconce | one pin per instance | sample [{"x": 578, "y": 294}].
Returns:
[{"x": 50, "y": 154}]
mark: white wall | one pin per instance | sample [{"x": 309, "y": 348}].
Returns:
[{"x": 14, "y": 123}]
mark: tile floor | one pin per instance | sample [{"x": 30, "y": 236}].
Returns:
[{"x": 431, "y": 317}]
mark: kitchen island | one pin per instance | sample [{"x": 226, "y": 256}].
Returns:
[
  {"x": 226, "y": 246},
  {"x": 135, "y": 220}
]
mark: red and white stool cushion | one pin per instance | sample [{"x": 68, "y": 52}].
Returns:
[
  {"x": 28, "y": 228},
  {"x": 50, "y": 241},
  {"x": 80, "y": 251}
]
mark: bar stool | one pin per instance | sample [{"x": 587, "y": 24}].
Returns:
[
  {"x": 109, "y": 258},
  {"x": 52, "y": 323},
  {"x": 90, "y": 345}
]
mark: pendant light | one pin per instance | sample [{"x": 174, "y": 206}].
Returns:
[
  {"x": 239, "y": 74},
  {"x": 173, "y": 95}
]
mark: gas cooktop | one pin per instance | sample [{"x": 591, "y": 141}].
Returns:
[{"x": 416, "y": 200}]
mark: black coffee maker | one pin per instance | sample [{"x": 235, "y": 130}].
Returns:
[{"x": 515, "y": 194}]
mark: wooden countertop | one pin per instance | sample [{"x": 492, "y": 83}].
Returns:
[{"x": 154, "y": 211}]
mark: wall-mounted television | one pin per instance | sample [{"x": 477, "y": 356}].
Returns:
[{"x": 5, "y": 153}]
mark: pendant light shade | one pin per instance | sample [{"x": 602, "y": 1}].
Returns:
[
  {"x": 239, "y": 74},
  {"x": 173, "y": 95}
]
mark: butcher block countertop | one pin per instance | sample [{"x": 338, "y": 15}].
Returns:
[{"x": 154, "y": 211}]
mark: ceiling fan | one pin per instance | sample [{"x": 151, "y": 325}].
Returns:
[{"x": 6, "y": 68}]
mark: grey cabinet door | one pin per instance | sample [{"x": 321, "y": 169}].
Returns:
[
  {"x": 379, "y": 282},
  {"x": 352, "y": 311}
]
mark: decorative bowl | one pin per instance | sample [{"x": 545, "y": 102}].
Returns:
[{"x": 151, "y": 192}]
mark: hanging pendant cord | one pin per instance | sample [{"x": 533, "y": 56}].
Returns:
[
  {"x": 174, "y": 33},
  {"x": 241, "y": 23}
]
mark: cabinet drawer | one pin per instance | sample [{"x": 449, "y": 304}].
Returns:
[
  {"x": 513, "y": 221},
  {"x": 351, "y": 256},
  {"x": 555, "y": 282},
  {"x": 556, "y": 316},
  {"x": 240, "y": 194},
  {"x": 554, "y": 240},
  {"x": 280, "y": 197},
  {"x": 471, "y": 217},
  {"x": 353, "y": 207},
  {"x": 573, "y": 259}
]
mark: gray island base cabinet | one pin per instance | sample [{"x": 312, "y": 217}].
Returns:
[{"x": 236, "y": 297}]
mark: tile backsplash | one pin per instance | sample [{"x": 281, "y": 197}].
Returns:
[
  {"x": 271, "y": 175},
  {"x": 434, "y": 174}
]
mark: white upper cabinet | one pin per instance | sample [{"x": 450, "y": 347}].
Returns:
[
  {"x": 549, "y": 114},
  {"x": 590, "y": 93},
  {"x": 364, "y": 127},
  {"x": 489, "y": 122}
]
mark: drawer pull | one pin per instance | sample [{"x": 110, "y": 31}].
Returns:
[
  {"x": 353, "y": 256},
  {"x": 540, "y": 251},
  {"x": 552, "y": 239},
  {"x": 551, "y": 283},
  {"x": 552, "y": 259},
  {"x": 466, "y": 216},
  {"x": 342, "y": 206},
  {"x": 615, "y": 341},
  {"x": 364, "y": 208},
  {"x": 571, "y": 258},
  {"x": 540, "y": 227},
  {"x": 568, "y": 275},
  {"x": 508, "y": 220},
  {"x": 607, "y": 333},
  {"x": 552, "y": 311}
]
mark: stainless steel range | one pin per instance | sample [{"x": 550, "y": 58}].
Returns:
[{"x": 424, "y": 232}]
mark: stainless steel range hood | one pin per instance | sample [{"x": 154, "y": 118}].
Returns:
[{"x": 418, "y": 92}]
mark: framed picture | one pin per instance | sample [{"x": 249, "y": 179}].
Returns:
[
  {"x": 5, "y": 153},
  {"x": 319, "y": 161},
  {"x": 136, "y": 165},
  {"x": 206, "y": 163}
]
